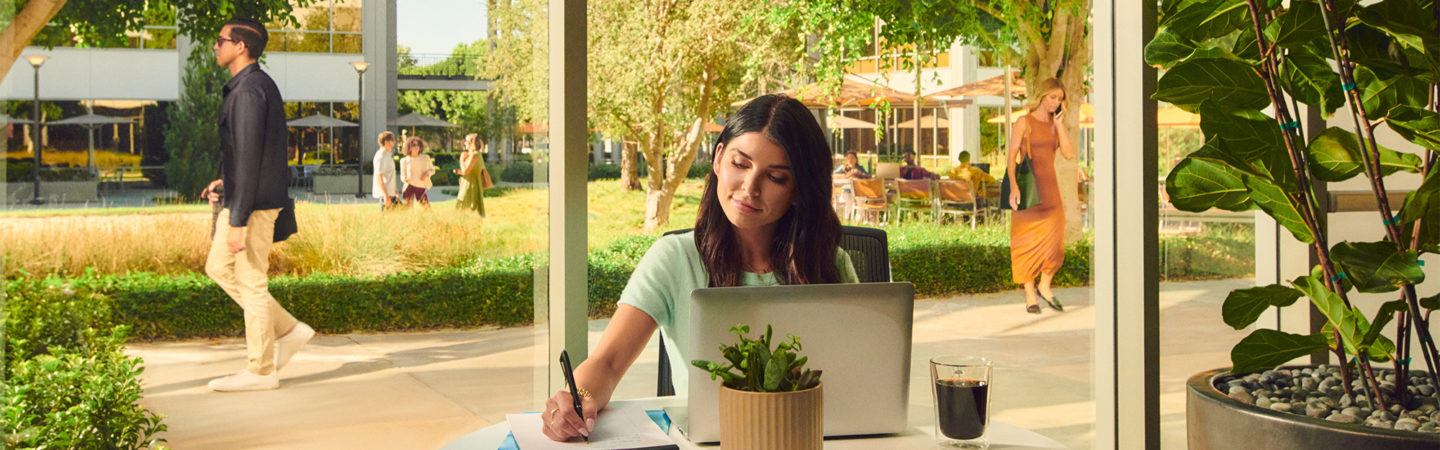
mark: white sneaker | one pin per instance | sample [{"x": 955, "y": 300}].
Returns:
[
  {"x": 287, "y": 346},
  {"x": 245, "y": 381}
]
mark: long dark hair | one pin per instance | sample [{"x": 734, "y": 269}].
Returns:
[{"x": 807, "y": 236}]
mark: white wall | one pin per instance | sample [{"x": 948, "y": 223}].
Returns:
[
  {"x": 131, "y": 74},
  {"x": 101, "y": 74}
]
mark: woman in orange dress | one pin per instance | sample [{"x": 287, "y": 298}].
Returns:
[{"x": 1037, "y": 233}]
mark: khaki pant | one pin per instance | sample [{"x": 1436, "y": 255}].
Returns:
[{"x": 243, "y": 276}]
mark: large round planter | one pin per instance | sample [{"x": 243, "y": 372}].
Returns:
[
  {"x": 1213, "y": 420},
  {"x": 772, "y": 420}
]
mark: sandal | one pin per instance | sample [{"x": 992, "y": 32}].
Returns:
[{"x": 1053, "y": 302}]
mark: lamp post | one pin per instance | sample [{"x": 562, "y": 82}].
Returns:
[
  {"x": 360, "y": 67},
  {"x": 36, "y": 61}
]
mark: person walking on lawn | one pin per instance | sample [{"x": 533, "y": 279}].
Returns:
[{"x": 258, "y": 211}]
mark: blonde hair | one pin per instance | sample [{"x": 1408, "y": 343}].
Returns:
[{"x": 1046, "y": 86}]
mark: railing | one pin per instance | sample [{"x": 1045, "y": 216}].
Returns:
[{"x": 440, "y": 65}]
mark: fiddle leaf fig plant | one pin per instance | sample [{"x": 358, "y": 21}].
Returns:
[
  {"x": 753, "y": 366},
  {"x": 1245, "y": 66}
]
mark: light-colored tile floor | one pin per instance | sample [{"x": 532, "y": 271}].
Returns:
[{"x": 422, "y": 390}]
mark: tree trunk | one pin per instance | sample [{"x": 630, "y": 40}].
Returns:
[
  {"x": 629, "y": 167},
  {"x": 661, "y": 193},
  {"x": 23, "y": 28}
]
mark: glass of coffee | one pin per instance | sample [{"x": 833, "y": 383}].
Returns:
[{"x": 961, "y": 387}]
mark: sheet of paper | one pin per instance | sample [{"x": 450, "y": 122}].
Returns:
[{"x": 623, "y": 428}]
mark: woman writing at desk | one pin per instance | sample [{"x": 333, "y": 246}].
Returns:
[{"x": 764, "y": 219}]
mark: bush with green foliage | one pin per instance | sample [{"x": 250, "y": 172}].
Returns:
[
  {"x": 603, "y": 172},
  {"x": 190, "y": 133},
  {"x": 67, "y": 381}
]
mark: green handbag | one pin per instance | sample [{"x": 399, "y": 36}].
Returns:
[{"x": 1024, "y": 179}]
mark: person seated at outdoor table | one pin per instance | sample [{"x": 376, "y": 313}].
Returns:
[
  {"x": 964, "y": 171},
  {"x": 910, "y": 171},
  {"x": 851, "y": 168},
  {"x": 764, "y": 220}
]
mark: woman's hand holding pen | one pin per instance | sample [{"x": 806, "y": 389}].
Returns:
[{"x": 559, "y": 419}]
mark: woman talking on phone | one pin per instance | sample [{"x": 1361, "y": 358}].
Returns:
[
  {"x": 765, "y": 219},
  {"x": 1037, "y": 233}
]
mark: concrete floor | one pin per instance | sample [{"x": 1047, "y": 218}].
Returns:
[{"x": 422, "y": 390}]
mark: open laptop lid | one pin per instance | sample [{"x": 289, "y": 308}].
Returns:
[{"x": 858, "y": 334}]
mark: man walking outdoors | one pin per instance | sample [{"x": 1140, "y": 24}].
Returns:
[
  {"x": 384, "y": 163},
  {"x": 254, "y": 182}
]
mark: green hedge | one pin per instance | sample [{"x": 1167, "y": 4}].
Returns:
[
  {"x": 67, "y": 381},
  {"x": 939, "y": 260}
]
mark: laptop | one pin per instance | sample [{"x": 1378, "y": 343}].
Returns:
[{"x": 858, "y": 334}]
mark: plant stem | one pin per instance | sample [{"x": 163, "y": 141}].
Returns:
[
  {"x": 1304, "y": 193},
  {"x": 1402, "y": 359},
  {"x": 1371, "y": 155},
  {"x": 1377, "y": 398},
  {"x": 1347, "y": 380}
]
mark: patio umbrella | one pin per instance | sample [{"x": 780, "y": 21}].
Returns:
[
  {"x": 846, "y": 122},
  {"x": 926, "y": 121},
  {"x": 712, "y": 127},
  {"x": 993, "y": 86},
  {"x": 91, "y": 121},
  {"x": 854, "y": 91},
  {"x": 15, "y": 120},
  {"x": 318, "y": 121},
  {"x": 413, "y": 120}
]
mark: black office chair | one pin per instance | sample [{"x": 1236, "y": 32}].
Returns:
[{"x": 869, "y": 253}]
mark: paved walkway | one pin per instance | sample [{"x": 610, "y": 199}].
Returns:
[{"x": 422, "y": 390}]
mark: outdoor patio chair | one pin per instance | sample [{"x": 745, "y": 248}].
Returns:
[
  {"x": 914, "y": 198},
  {"x": 956, "y": 198},
  {"x": 870, "y": 202},
  {"x": 869, "y": 253}
]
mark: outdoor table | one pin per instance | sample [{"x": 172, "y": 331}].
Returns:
[{"x": 919, "y": 434}]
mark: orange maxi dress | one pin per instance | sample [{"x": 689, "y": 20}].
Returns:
[{"x": 1037, "y": 233}]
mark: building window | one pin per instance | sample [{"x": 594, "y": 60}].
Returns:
[{"x": 327, "y": 26}]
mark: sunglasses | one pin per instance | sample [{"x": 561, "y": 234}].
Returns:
[{"x": 223, "y": 39}]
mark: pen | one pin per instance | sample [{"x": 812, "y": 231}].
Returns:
[{"x": 570, "y": 380}]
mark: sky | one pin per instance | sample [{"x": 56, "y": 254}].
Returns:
[{"x": 437, "y": 26}]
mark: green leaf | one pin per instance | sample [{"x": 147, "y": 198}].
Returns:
[
  {"x": 1382, "y": 318},
  {"x": 1167, "y": 48},
  {"x": 1378, "y": 51},
  {"x": 1417, "y": 125},
  {"x": 1251, "y": 140},
  {"x": 1408, "y": 21},
  {"x": 1375, "y": 267},
  {"x": 1297, "y": 26},
  {"x": 1311, "y": 80},
  {"x": 775, "y": 370},
  {"x": 1243, "y": 306},
  {"x": 1431, "y": 302},
  {"x": 1199, "y": 183},
  {"x": 1335, "y": 155},
  {"x": 1424, "y": 202},
  {"x": 1274, "y": 201},
  {"x": 1227, "y": 84},
  {"x": 1348, "y": 322},
  {"x": 1380, "y": 95},
  {"x": 1265, "y": 348},
  {"x": 1206, "y": 19}
]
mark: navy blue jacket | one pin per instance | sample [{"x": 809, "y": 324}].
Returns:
[{"x": 253, "y": 160}]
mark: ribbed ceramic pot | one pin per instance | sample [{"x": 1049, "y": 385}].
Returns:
[
  {"x": 772, "y": 420},
  {"x": 1213, "y": 420}
]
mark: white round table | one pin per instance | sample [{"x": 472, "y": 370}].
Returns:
[{"x": 920, "y": 434}]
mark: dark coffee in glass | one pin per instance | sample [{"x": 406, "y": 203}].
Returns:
[
  {"x": 961, "y": 403},
  {"x": 961, "y": 388}
]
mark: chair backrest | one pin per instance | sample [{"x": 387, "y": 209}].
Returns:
[
  {"x": 956, "y": 191},
  {"x": 869, "y": 188},
  {"x": 916, "y": 189},
  {"x": 869, "y": 252},
  {"x": 887, "y": 170}
]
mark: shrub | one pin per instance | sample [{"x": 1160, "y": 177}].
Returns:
[
  {"x": 603, "y": 172},
  {"x": 520, "y": 172},
  {"x": 67, "y": 381},
  {"x": 698, "y": 169},
  {"x": 190, "y": 134}
]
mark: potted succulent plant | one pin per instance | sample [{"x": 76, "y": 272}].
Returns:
[
  {"x": 1244, "y": 65},
  {"x": 768, "y": 398}
]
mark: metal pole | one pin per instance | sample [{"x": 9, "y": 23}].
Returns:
[
  {"x": 360, "y": 141},
  {"x": 35, "y": 116}
]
